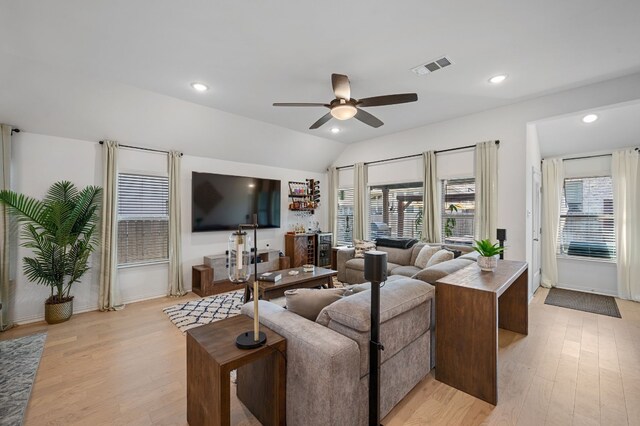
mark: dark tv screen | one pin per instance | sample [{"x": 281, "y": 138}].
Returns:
[{"x": 222, "y": 202}]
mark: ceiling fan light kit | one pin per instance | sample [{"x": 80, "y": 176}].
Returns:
[
  {"x": 344, "y": 107},
  {"x": 343, "y": 111}
]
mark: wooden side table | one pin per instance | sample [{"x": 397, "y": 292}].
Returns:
[
  {"x": 212, "y": 354},
  {"x": 470, "y": 306}
]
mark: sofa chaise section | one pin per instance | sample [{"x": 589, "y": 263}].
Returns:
[{"x": 328, "y": 360}]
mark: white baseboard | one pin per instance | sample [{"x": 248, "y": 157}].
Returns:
[
  {"x": 40, "y": 317},
  {"x": 586, "y": 290}
]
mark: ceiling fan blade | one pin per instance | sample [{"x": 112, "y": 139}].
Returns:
[
  {"x": 367, "y": 118},
  {"x": 341, "y": 86},
  {"x": 299, "y": 104},
  {"x": 321, "y": 121},
  {"x": 401, "y": 98}
]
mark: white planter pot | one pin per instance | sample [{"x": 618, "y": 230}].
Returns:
[{"x": 488, "y": 264}]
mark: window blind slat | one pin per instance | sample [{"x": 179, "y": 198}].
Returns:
[
  {"x": 586, "y": 218},
  {"x": 345, "y": 216},
  {"x": 396, "y": 211},
  {"x": 458, "y": 225},
  {"x": 143, "y": 218}
]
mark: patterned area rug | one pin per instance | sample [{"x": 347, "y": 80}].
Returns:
[
  {"x": 586, "y": 302},
  {"x": 19, "y": 360},
  {"x": 195, "y": 313}
]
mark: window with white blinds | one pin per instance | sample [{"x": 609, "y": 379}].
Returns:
[
  {"x": 458, "y": 210},
  {"x": 586, "y": 218},
  {"x": 345, "y": 217},
  {"x": 143, "y": 218},
  {"x": 396, "y": 210}
]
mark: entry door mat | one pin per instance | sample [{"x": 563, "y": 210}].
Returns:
[
  {"x": 195, "y": 313},
  {"x": 19, "y": 360},
  {"x": 586, "y": 302}
]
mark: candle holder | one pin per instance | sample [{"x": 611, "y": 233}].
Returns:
[{"x": 240, "y": 272}]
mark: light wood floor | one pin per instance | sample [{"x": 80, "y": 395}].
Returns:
[{"x": 128, "y": 368}]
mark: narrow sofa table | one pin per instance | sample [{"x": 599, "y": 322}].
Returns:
[
  {"x": 212, "y": 355},
  {"x": 470, "y": 306}
]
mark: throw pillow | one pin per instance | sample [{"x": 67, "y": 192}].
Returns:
[
  {"x": 308, "y": 302},
  {"x": 362, "y": 246},
  {"x": 439, "y": 257},
  {"x": 426, "y": 253}
]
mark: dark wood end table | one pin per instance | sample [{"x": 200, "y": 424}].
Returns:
[{"x": 212, "y": 354}]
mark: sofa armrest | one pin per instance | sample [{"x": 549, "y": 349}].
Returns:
[
  {"x": 322, "y": 368},
  {"x": 441, "y": 270},
  {"x": 344, "y": 255}
]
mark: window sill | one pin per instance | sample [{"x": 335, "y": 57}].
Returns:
[
  {"x": 586, "y": 259},
  {"x": 135, "y": 265}
]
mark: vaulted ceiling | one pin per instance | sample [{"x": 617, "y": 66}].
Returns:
[{"x": 252, "y": 53}]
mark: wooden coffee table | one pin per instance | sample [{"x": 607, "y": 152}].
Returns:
[{"x": 269, "y": 290}]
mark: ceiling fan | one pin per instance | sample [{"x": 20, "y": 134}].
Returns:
[{"x": 344, "y": 107}]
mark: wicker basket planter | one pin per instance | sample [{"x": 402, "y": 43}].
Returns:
[{"x": 55, "y": 313}]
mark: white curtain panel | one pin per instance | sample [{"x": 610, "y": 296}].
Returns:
[
  {"x": 5, "y": 184},
  {"x": 176, "y": 283},
  {"x": 109, "y": 291},
  {"x": 552, "y": 186},
  {"x": 431, "y": 214},
  {"x": 626, "y": 210},
  {"x": 332, "y": 175},
  {"x": 360, "y": 213},
  {"x": 486, "y": 171}
]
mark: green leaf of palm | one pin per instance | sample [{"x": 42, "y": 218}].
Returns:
[{"x": 25, "y": 208}]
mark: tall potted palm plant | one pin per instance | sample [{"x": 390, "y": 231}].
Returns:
[{"x": 61, "y": 232}]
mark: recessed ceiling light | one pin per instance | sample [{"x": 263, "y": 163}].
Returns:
[
  {"x": 589, "y": 118},
  {"x": 200, "y": 87},
  {"x": 496, "y": 79},
  {"x": 335, "y": 130}
]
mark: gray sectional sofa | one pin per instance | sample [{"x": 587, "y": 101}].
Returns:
[
  {"x": 401, "y": 262},
  {"x": 328, "y": 360}
]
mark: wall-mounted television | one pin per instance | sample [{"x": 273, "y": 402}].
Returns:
[{"x": 222, "y": 202}]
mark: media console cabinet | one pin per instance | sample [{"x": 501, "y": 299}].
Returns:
[{"x": 212, "y": 277}]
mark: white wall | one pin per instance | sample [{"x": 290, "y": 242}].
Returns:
[
  {"x": 508, "y": 124},
  {"x": 40, "y": 160}
]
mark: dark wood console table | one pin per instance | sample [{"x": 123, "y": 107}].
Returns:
[
  {"x": 212, "y": 354},
  {"x": 470, "y": 306}
]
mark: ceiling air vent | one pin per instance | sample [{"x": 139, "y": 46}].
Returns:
[{"x": 432, "y": 66}]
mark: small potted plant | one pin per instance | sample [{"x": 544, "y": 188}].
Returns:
[
  {"x": 487, "y": 261},
  {"x": 60, "y": 230}
]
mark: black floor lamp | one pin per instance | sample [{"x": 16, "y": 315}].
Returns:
[{"x": 375, "y": 270}]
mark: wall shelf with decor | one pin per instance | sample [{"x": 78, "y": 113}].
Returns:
[{"x": 304, "y": 196}]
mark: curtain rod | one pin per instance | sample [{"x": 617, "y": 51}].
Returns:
[
  {"x": 411, "y": 156},
  {"x": 15, "y": 131},
  {"x": 587, "y": 156},
  {"x": 143, "y": 149}
]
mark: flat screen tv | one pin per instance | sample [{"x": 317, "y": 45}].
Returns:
[{"x": 222, "y": 202}]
